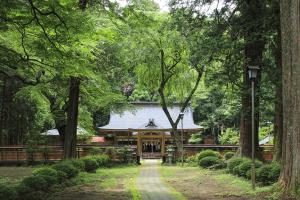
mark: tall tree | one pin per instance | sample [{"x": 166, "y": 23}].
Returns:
[{"x": 290, "y": 29}]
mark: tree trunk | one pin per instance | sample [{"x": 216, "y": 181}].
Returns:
[
  {"x": 252, "y": 11},
  {"x": 72, "y": 118},
  {"x": 290, "y": 33},
  {"x": 2, "y": 112},
  {"x": 278, "y": 118}
]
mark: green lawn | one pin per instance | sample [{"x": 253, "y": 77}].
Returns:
[
  {"x": 13, "y": 175},
  {"x": 194, "y": 182}
]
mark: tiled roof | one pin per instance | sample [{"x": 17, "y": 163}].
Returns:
[{"x": 148, "y": 116}]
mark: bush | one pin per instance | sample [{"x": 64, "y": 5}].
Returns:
[
  {"x": 124, "y": 154},
  {"x": 228, "y": 155},
  {"x": 234, "y": 162},
  {"x": 27, "y": 193},
  {"x": 229, "y": 137},
  {"x": 50, "y": 175},
  {"x": 102, "y": 160},
  {"x": 246, "y": 166},
  {"x": 221, "y": 164},
  {"x": 207, "y": 153},
  {"x": 90, "y": 164},
  {"x": 111, "y": 152},
  {"x": 78, "y": 164},
  {"x": 208, "y": 161},
  {"x": 67, "y": 168},
  {"x": 95, "y": 151},
  {"x": 268, "y": 174},
  {"x": 7, "y": 192},
  {"x": 34, "y": 183}
]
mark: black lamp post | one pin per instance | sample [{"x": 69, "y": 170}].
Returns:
[
  {"x": 181, "y": 114},
  {"x": 252, "y": 72}
]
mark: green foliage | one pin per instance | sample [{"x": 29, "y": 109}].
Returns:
[
  {"x": 229, "y": 137},
  {"x": 95, "y": 151},
  {"x": 78, "y": 164},
  {"x": 233, "y": 163},
  {"x": 221, "y": 164},
  {"x": 246, "y": 166},
  {"x": 208, "y": 161},
  {"x": 7, "y": 192},
  {"x": 207, "y": 153},
  {"x": 102, "y": 160},
  {"x": 90, "y": 164},
  {"x": 124, "y": 154},
  {"x": 228, "y": 155},
  {"x": 196, "y": 138},
  {"x": 50, "y": 175},
  {"x": 35, "y": 183},
  {"x": 269, "y": 173},
  {"x": 67, "y": 168},
  {"x": 266, "y": 131},
  {"x": 111, "y": 152}
]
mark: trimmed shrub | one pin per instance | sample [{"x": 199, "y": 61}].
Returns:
[
  {"x": 208, "y": 161},
  {"x": 234, "y": 162},
  {"x": 246, "y": 165},
  {"x": 207, "y": 153},
  {"x": 78, "y": 164},
  {"x": 67, "y": 168},
  {"x": 221, "y": 164},
  {"x": 90, "y": 164},
  {"x": 228, "y": 155},
  {"x": 27, "y": 193},
  {"x": 268, "y": 174},
  {"x": 49, "y": 174},
  {"x": 235, "y": 170},
  {"x": 7, "y": 192},
  {"x": 35, "y": 183},
  {"x": 102, "y": 160}
]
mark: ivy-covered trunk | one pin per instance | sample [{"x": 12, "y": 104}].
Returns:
[{"x": 72, "y": 118}]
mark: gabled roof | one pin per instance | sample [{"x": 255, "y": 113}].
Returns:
[{"x": 148, "y": 116}]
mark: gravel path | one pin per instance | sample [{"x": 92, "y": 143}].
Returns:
[{"x": 150, "y": 184}]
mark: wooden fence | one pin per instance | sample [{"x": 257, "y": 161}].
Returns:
[{"x": 46, "y": 154}]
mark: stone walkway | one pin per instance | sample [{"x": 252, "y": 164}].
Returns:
[{"x": 150, "y": 184}]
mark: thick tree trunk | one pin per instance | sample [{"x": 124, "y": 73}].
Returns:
[
  {"x": 290, "y": 29},
  {"x": 278, "y": 118},
  {"x": 2, "y": 112},
  {"x": 252, "y": 11},
  {"x": 71, "y": 128}
]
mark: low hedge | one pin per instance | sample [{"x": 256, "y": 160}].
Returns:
[
  {"x": 246, "y": 165},
  {"x": 228, "y": 155},
  {"x": 78, "y": 164},
  {"x": 208, "y": 161},
  {"x": 50, "y": 175},
  {"x": 35, "y": 183},
  {"x": 268, "y": 174},
  {"x": 234, "y": 163},
  {"x": 102, "y": 160},
  {"x": 208, "y": 153},
  {"x": 7, "y": 192},
  {"x": 67, "y": 168},
  {"x": 90, "y": 164}
]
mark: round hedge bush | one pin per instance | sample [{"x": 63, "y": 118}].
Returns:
[
  {"x": 228, "y": 155},
  {"x": 268, "y": 174},
  {"x": 221, "y": 164},
  {"x": 233, "y": 163},
  {"x": 27, "y": 193},
  {"x": 208, "y": 153},
  {"x": 78, "y": 164},
  {"x": 7, "y": 192},
  {"x": 90, "y": 164},
  {"x": 102, "y": 160},
  {"x": 50, "y": 175},
  {"x": 246, "y": 165},
  {"x": 67, "y": 168},
  {"x": 208, "y": 161},
  {"x": 35, "y": 183}
]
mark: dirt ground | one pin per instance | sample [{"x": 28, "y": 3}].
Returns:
[{"x": 197, "y": 184}]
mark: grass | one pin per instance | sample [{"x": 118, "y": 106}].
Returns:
[
  {"x": 13, "y": 175},
  {"x": 112, "y": 178}
]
